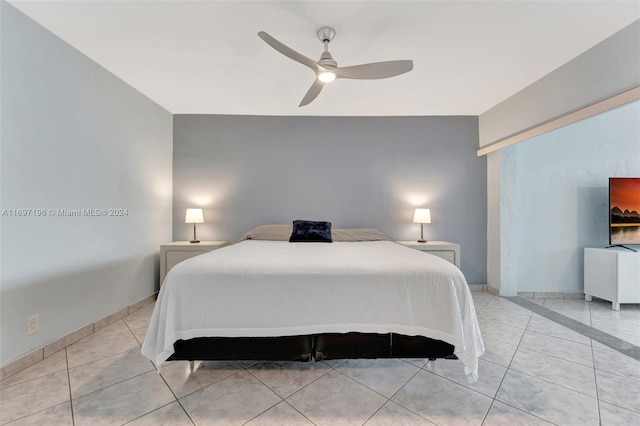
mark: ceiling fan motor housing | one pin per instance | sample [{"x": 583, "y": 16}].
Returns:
[
  {"x": 327, "y": 60},
  {"x": 326, "y": 34}
]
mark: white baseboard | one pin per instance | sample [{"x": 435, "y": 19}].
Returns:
[{"x": 550, "y": 295}]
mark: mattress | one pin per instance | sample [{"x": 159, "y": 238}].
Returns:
[{"x": 276, "y": 288}]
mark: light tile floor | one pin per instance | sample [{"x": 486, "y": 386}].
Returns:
[{"x": 535, "y": 372}]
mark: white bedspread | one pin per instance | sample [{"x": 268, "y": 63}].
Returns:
[{"x": 276, "y": 288}]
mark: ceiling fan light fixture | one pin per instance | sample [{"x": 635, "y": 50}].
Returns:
[{"x": 326, "y": 76}]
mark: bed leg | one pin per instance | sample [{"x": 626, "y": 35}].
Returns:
[{"x": 192, "y": 365}]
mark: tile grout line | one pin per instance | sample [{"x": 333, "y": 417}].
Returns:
[
  {"x": 66, "y": 360},
  {"x": 597, "y": 397},
  {"x": 505, "y": 375},
  {"x": 103, "y": 358},
  {"x": 371, "y": 389},
  {"x": 556, "y": 357},
  {"x": 495, "y": 398},
  {"x": 595, "y": 375},
  {"x": 152, "y": 411},
  {"x": 456, "y": 383},
  {"x": 282, "y": 398},
  {"x": 46, "y": 408},
  {"x": 634, "y": 411},
  {"x": 548, "y": 381},
  {"x": 114, "y": 384},
  {"x": 376, "y": 392},
  {"x": 299, "y": 412},
  {"x": 270, "y": 390},
  {"x": 204, "y": 387},
  {"x": 32, "y": 378},
  {"x": 308, "y": 384},
  {"x": 606, "y": 339},
  {"x": 165, "y": 382},
  {"x": 556, "y": 384},
  {"x": 401, "y": 387}
]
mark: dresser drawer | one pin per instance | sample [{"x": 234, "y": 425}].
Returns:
[
  {"x": 443, "y": 249},
  {"x": 175, "y": 257},
  {"x": 449, "y": 256},
  {"x": 173, "y": 253}
]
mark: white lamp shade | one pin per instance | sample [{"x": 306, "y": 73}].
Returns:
[
  {"x": 422, "y": 216},
  {"x": 194, "y": 216}
]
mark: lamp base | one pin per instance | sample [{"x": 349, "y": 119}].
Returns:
[
  {"x": 194, "y": 241},
  {"x": 422, "y": 241}
]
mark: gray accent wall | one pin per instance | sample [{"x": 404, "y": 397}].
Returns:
[
  {"x": 74, "y": 137},
  {"x": 353, "y": 171}
]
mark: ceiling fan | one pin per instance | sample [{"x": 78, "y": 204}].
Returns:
[{"x": 327, "y": 70}]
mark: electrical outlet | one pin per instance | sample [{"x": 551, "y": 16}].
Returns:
[{"x": 33, "y": 324}]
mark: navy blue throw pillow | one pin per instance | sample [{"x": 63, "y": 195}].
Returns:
[{"x": 307, "y": 231}]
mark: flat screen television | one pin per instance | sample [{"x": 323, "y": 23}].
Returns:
[{"x": 624, "y": 210}]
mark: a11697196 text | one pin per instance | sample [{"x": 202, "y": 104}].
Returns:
[{"x": 110, "y": 212}]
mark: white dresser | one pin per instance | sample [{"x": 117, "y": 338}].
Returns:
[
  {"x": 612, "y": 274},
  {"x": 444, "y": 249},
  {"x": 173, "y": 253}
]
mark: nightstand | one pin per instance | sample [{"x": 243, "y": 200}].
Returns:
[
  {"x": 444, "y": 249},
  {"x": 173, "y": 253}
]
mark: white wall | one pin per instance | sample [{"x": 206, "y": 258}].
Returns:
[
  {"x": 555, "y": 198},
  {"x": 607, "y": 69},
  {"x": 494, "y": 267},
  {"x": 74, "y": 137}
]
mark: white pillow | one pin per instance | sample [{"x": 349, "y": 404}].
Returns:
[{"x": 269, "y": 232}]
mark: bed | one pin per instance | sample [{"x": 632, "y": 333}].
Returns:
[{"x": 361, "y": 296}]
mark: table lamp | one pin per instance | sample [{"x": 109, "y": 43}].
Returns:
[
  {"x": 194, "y": 216},
  {"x": 420, "y": 216}
]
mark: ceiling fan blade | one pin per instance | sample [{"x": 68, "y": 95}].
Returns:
[
  {"x": 287, "y": 51},
  {"x": 375, "y": 70},
  {"x": 312, "y": 93}
]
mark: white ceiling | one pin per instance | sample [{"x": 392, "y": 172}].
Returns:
[{"x": 205, "y": 56}]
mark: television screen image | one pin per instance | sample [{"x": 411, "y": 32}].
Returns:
[{"x": 624, "y": 211}]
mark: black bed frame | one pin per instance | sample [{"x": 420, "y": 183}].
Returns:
[{"x": 317, "y": 346}]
